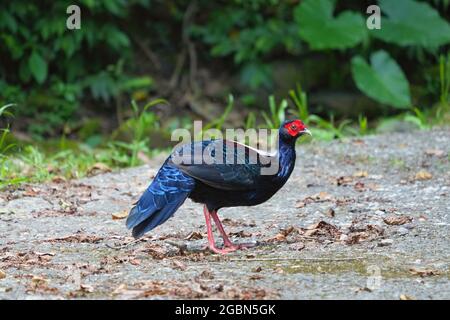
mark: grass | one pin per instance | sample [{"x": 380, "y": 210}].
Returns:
[
  {"x": 444, "y": 77},
  {"x": 33, "y": 165},
  {"x": 137, "y": 124},
  {"x": 277, "y": 113},
  {"x": 73, "y": 160}
]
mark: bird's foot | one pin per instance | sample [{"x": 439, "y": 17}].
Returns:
[
  {"x": 239, "y": 246},
  {"x": 225, "y": 250}
]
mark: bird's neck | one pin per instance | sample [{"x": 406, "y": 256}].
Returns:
[{"x": 286, "y": 158}]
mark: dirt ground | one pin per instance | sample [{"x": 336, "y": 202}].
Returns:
[{"x": 359, "y": 219}]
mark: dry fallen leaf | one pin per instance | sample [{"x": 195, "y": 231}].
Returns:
[
  {"x": 405, "y": 297},
  {"x": 58, "y": 179},
  {"x": 179, "y": 265},
  {"x": 135, "y": 262},
  {"x": 277, "y": 238},
  {"x": 44, "y": 256},
  {"x": 194, "y": 235},
  {"x": 240, "y": 234},
  {"x": 206, "y": 274},
  {"x": 79, "y": 237},
  {"x": 323, "y": 228},
  {"x": 359, "y": 186},
  {"x": 125, "y": 293},
  {"x": 330, "y": 212},
  {"x": 435, "y": 152},
  {"x": 361, "y": 174},
  {"x": 279, "y": 270},
  {"x": 424, "y": 272},
  {"x": 86, "y": 288},
  {"x": 2, "y": 274},
  {"x": 319, "y": 197},
  {"x": 97, "y": 168},
  {"x": 423, "y": 175},
  {"x": 66, "y": 205},
  {"x": 342, "y": 181},
  {"x": 300, "y": 204},
  {"x": 397, "y": 220},
  {"x": 323, "y": 196},
  {"x": 297, "y": 246},
  {"x": 257, "y": 269},
  {"x": 40, "y": 284},
  {"x": 30, "y": 192},
  {"x": 38, "y": 279},
  {"x": 120, "y": 215}
]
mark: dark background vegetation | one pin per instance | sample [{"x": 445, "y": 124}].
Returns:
[{"x": 85, "y": 89}]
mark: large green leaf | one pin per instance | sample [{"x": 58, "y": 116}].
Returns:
[
  {"x": 383, "y": 80},
  {"x": 322, "y": 30},
  {"x": 38, "y": 67},
  {"x": 410, "y": 22}
]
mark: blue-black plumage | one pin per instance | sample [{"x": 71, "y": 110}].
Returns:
[{"x": 215, "y": 181}]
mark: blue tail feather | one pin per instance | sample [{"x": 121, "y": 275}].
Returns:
[{"x": 163, "y": 197}]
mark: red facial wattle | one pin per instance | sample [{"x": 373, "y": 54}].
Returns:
[{"x": 295, "y": 127}]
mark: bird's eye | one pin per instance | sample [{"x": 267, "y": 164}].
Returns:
[{"x": 294, "y": 127}]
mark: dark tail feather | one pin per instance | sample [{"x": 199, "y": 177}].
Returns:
[
  {"x": 163, "y": 197},
  {"x": 157, "y": 218}
]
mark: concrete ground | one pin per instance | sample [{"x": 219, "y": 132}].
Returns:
[{"x": 362, "y": 218}]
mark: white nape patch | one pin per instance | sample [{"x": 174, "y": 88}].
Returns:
[{"x": 260, "y": 152}]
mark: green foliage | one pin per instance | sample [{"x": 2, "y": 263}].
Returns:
[
  {"x": 50, "y": 72},
  {"x": 47, "y": 69},
  {"x": 300, "y": 100},
  {"x": 5, "y": 146},
  {"x": 249, "y": 32},
  {"x": 277, "y": 113},
  {"x": 323, "y": 129},
  {"x": 137, "y": 124},
  {"x": 419, "y": 118},
  {"x": 444, "y": 77},
  {"x": 411, "y": 22},
  {"x": 218, "y": 123},
  {"x": 253, "y": 34},
  {"x": 250, "y": 121},
  {"x": 57, "y": 77},
  {"x": 38, "y": 67},
  {"x": 322, "y": 30},
  {"x": 363, "y": 125},
  {"x": 383, "y": 80}
]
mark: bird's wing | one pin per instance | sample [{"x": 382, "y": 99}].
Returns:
[
  {"x": 222, "y": 164},
  {"x": 159, "y": 202}
]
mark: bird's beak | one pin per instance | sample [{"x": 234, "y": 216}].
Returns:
[{"x": 306, "y": 131}]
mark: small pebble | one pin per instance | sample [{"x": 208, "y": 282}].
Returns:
[
  {"x": 380, "y": 213},
  {"x": 343, "y": 237}
]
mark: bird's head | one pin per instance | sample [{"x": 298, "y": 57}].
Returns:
[{"x": 290, "y": 130}]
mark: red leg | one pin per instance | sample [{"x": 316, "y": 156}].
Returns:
[
  {"x": 226, "y": 241},
  {"x": 211, "y": 242}
]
